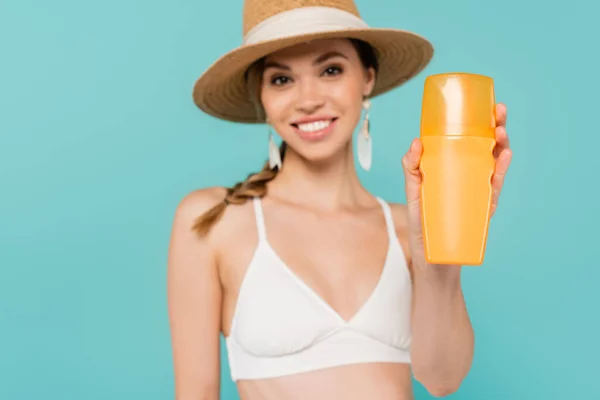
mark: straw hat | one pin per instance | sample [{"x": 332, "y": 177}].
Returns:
[{"x": 270, "y": 25}]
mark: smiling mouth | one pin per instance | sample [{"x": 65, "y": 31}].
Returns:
[{"x": 315, "y": 126}]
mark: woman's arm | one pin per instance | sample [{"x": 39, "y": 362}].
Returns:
[
  {"x": 443, "y": 339},
  {"x": 442, "y": 335},
  {"x": 194, "y": 304}
]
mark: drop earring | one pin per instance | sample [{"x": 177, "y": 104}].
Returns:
[
  {"x": 274, "y": 155},
  {"x": 365, "y": 145}
]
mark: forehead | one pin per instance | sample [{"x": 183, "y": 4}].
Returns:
[{"x": 309, "y": 50}]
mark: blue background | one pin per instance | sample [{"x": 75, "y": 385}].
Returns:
[{"x": 99, "y": 140}]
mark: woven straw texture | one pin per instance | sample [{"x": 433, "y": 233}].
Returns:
[
  {"x": 221, "y": 90},
  {"x": 256, "y": 11}
]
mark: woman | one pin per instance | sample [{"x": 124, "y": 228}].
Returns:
[{"x": 320, "y": 288}]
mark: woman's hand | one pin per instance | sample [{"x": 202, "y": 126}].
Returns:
[{"x": 413, "y": 179}]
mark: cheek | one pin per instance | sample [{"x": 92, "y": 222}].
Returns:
[
  {"x": 347, "y": 94},
  {"x": 347, "y": 89},
  {"x": 349, "y": 98},
  {"x": 275, "y": 104}
]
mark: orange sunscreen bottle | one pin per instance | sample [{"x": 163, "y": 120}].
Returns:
[{"x": 458, "y": 124}]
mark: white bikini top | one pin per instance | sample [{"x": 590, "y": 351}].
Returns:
[{"x": 281, "y": 326}]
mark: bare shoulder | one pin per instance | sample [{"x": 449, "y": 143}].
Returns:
[
  {"x": 231, "y": 227},
  {"x": 185, "y": 242},
  {"x": 197, "y": 202}
]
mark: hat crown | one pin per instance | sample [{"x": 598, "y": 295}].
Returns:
[{"x": 256, "y": 11}]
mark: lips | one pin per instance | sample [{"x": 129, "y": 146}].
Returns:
[
  {"x": 314, "y": 128},
  {"x": 314, "y": 125}
]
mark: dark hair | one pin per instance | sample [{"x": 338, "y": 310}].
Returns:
[
  {"x": 366, "y": 53},
  {"x": 255, "y": 185}
]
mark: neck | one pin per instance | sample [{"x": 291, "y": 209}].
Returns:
[{"x": 328, "y": 185}]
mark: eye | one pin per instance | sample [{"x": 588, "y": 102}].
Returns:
[
  {"x": 332, "y": 70},
  {"x": 279, "y": 80}
]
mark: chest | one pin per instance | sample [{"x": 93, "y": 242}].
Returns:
[
  {"x": 338, "y": 260},
  {"x": 330, "y": 253}
]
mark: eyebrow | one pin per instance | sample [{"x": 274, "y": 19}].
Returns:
[{"x": 319, "y": 60}]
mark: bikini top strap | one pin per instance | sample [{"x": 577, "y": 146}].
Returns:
[
  {"x": 260, "y": 220},
  {"x": 389, "y": 218}
]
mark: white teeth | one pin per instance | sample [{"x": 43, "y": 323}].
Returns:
[{"x": 314, "y": 126}]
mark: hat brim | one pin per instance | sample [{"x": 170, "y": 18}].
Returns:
[{"x": 221, "y": 90}]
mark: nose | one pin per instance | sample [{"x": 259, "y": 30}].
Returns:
[{"x": 310, "y": 99}]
